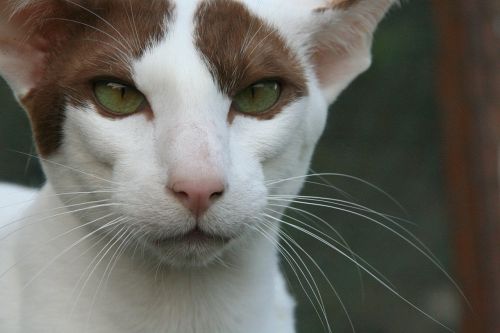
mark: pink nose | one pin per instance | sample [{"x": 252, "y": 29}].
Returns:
[{"x": 198, "y": 195}]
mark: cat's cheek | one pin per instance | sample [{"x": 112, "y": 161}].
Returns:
[
  {"x": 107, "y": 140},
  {"x": 317, "y": 107},
  {"x": 268, "y": 139}
]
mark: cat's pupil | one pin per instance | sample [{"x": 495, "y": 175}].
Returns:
[{"x": 115, "y": 86}]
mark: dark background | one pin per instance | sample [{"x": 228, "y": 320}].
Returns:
[{"x": 385, "y": 129}]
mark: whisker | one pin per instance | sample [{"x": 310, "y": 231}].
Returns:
[
  {"x": 63, "y": 207},
  {"x": 88, "y": 26},
  {"x": 287, "y": 239},
  {"x": 327, "y": 183},
  {"x": 387, "y": 217},
  {"x": 321, "y": 312},
  {"x": 67, "y": 167},
  {"x": 106, "y": 248},
  {"x": 133, "y": 25},
  {"x": 332, "y": 174},
  {"x": 389, "y": 288},
  {"x": 51, "y": 240},
  {"x": 49, "y": 218},
  {"x": 35, "y": 276},
  {"x": 103, "y": 20},
  {"x": 119, "y": 252},
  {"x": 343, "y": 203},
  {"x": 428, "y": 256},
  {"x": 315, "y": 218},
  {"x": 103, "y": 277},
  {"x": 123, "y": 56},
  {"x": 102, "y": 237},
  {"x": 353, "y": 254}
]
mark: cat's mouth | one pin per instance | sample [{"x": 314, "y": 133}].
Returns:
[{"x": 193, "y": 236}]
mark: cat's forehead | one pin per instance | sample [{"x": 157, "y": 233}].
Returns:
[
  {"x": 234, "y": 44},
  {"x": 240, "y": 42},
  {"x": 228, "y": 33}
]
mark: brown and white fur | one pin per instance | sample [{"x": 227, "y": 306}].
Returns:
[{"x": 127, "y": 236}]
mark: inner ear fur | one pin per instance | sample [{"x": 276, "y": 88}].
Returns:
[
  {"x": 30, "y": 32},
  {"x": 341, "y": 46}
]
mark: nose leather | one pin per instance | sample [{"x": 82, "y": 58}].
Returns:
[{"x": 198, "y": 195}]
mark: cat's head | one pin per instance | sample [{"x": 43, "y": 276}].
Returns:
[{"x": 180, "y": 117}]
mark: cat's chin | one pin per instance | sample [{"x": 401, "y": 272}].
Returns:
[{"x": 194, "y": 249}]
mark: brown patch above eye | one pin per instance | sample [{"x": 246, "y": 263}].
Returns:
[
  {"x": 241, "y": 49},
  {"x": 96, "y": 39}
]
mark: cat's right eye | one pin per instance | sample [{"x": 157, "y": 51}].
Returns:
[{"x": 118, "y": 98}]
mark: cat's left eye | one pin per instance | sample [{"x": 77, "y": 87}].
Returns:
[
  {"x": 258, "y": 98},
  {"x": 118, "y": 98}
]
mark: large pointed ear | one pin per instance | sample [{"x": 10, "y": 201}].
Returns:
[
  {"x": 341, "y": 45},
  {"x": 28, "y": 33}
]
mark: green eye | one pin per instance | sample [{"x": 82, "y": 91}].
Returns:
[
  {"x": 258, "y": 98},
  {"x": 118, "y": 98}
]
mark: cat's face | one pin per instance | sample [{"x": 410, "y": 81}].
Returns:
[{"x": 178, "y": 117}]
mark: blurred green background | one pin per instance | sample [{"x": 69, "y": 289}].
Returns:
[{"x": 384, "y": 129}]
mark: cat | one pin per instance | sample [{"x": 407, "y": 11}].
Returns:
[{"x": 164, "y": 128}]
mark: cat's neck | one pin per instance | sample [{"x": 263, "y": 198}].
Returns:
[{"x": 224, "y": 296}]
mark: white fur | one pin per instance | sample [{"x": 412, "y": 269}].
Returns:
[
  {"x": 13, "y": 201},
  {"x": 241, "y": 297},
  {"x": 180, "y": 288}
]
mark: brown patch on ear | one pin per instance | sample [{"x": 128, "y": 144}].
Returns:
[
  {"x": 95, "y": 41},
  {"x": 241, "y": 49},
  {"x": 26, "y": 39}
]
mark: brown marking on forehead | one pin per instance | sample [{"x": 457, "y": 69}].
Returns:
[
  {"x": 241, "y": 49},
  {"x": 98, "y": 40}
]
